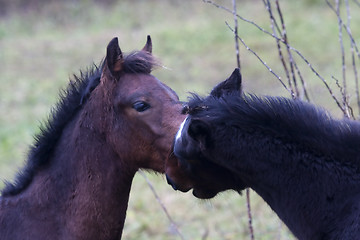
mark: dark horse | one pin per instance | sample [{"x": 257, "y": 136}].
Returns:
[
  {"x": 111, "y": 121},
  {"x": 300, "y": 160}
]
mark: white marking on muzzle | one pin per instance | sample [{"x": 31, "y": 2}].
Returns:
[{"x": 178, "y": 134}]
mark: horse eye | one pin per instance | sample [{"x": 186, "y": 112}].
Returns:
[{"x": 141, "y": 106}]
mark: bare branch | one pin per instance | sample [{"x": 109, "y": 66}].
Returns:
[
  {"x": 341, "y": 25},
  {"x": 249, "y": 214},
  {"x": 281, "y": 56},
  {"x": 285, "y": 38},
  {"x": 205, "y": 234},
  {"x": 347, "y": 31},
  {"x": 306, "y": 94},
  {"x": 356, "y": 79},
  {"x": 251, "y": 229},
  {"x": 257, "y": 56},
  {"x": 290, "y": 47},
  {"x": 240, "y": 17},
  {"x": 173, "y": 224},
  {"x": 337, "y": 82},
  {"x": 321, "y": 78},
  {"x": 344, "y": 91},
  {"x": 236, "y": 35}
]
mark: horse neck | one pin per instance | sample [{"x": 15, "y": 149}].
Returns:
[
  {"x": 85, "y": 190},
  {"x": 307, "y": 191},
  {"x": 102, "y": 181}
]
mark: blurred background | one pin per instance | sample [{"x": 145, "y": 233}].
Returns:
[{"x": 42, "y": 43}]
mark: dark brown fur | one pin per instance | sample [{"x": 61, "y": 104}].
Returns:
[{"x": 76, "y": 185}]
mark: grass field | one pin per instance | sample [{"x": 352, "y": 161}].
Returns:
[{"x": 41, "y": 48}]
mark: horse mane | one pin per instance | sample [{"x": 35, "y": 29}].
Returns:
[
  {"x": 287, "y": 120},
  {"x": 139, "y": 62},
  {"x": 71, "y": 101}
]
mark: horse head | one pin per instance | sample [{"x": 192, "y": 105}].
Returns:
[
  {"x": 141, "y": 115},
  {"x": 192, "y": 164}
]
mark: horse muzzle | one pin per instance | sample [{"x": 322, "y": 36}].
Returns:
[
  {"x": 175, "y": 186},
  {"x": 171, "y": 182}
]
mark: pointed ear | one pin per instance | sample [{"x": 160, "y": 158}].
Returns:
[
  {"x": 148, "y": 45},
  {"x": 200, "y": 132},
  {"x": 114, "y": 57},
  {"x": 233, "y": 83}
]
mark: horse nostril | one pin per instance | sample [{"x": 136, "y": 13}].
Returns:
[{"x": 170, "y": 182}]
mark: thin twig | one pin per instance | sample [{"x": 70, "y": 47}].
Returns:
[
  {"x": 236, "y": 34},
  {"x": 281, "y": 56},
  {"x": 251, "y": 229},
  {"x": 173, "y": 224},
  {"x": 240, "y": 17},
  {"x": 341, "y": 25},
  {"x": 321, "y": 78},
  {"x": 347, "y": 31},
  {"x": 337, "y": 82},
  {"x": 306, "y": 94},
  {"x": 356, "y": 79},
  {"x": 280, "y": 230},
  {"x": 285, "y": 41},
  {"x": 205, "y": 234},
  {"x": 267, "y": 4},
  {"x": 353, "y": 45},
  {"x": 264, "y": 63},
  {"x": 291, "y": 48},
  {"x": 285, "y": 38},
  {"x": 343, "y": 66}
]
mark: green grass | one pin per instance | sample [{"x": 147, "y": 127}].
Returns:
[{"x": 40, "y": 49}]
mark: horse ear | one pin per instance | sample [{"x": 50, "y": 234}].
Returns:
[
  {"x": 148, "y": 45},
  {"x": 233, "y": 83},
  {"x": 114, "y": 57},
  {"x": 200, "y": 132}
]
